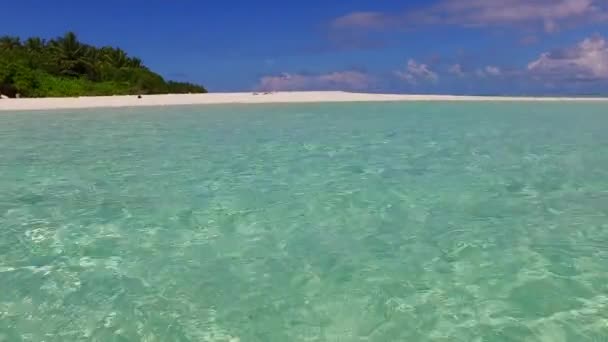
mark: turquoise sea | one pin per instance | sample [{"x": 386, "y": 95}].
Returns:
[{"x": 317, "y": 222}]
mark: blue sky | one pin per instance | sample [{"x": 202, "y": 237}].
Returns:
[{"x": 441, "y": 46}]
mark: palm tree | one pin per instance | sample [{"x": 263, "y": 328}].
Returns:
[
  {"x": 68, "y": 46},
  {"x": 117, "y": 58},
  {"x": 37, "y": 55},
  {"x": 36, "y": 67},
  {"x": 135, "y": 62},
  {"x": 34, "y": 44},
  {"x": 9, "y": 42},
  {"x": 69, "y": 54}
]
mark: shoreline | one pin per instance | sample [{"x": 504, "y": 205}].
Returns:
[{"x": 32, "y": 104}]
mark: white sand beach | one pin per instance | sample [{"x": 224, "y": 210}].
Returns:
[{"x": 248, "y": 98}]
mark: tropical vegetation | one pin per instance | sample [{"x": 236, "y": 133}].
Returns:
[{"x": 67, "y": 67}]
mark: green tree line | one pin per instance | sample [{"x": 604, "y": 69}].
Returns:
[{"x": 67, "y": 67}]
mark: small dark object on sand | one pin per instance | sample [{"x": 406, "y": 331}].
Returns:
[
  {"x": 139, "y": 96},
  {"x": 8, "y": 90}
]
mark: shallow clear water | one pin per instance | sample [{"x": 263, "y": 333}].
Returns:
[{"x": 333, "y": 222}]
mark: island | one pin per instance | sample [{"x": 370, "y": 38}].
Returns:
[{"x": 67, "y": 67}]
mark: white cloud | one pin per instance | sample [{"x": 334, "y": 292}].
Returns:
[
  {"x": 416, "y": 72},
  {"x": 547, "y": 14},
  {"x": 493, "y": 70},
  {"x": 588, "y": 60},
  {"x": 343, "y": 80},
  {"x": 361, "y": 19},
  {"x": 488, "y": 71},
  {"x": 457, "y": 70}
]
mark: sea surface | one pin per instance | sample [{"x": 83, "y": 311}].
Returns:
[{"x": 317, "y": 222}]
